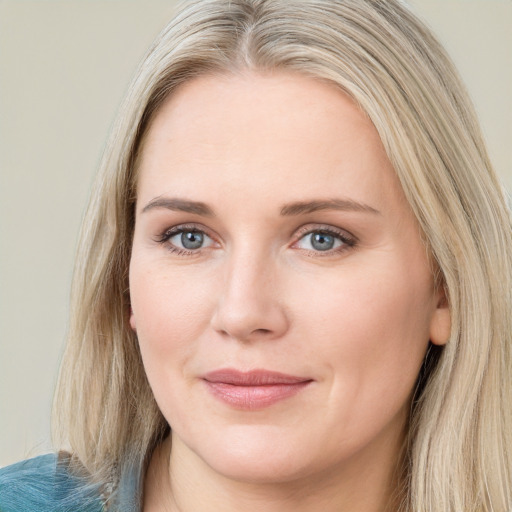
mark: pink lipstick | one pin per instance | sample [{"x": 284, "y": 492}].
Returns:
[{"x": 253, "y": 390}]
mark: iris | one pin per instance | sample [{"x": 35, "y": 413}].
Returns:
[
  {"x": 192, "y": 239},
  {"x": 322, "y": 241}
]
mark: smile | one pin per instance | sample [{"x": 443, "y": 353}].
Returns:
[{"x": 253, "y": 390}]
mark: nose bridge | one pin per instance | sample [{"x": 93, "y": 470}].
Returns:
[
  {"x": 249, "y": 271},
  {"x": 249, "y": 305}
]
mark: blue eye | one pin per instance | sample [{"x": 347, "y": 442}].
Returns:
[
  {"x": 186, "y": 239},
  {"x": 190, "y": 239},
  {"x": 324, "y": 241}
]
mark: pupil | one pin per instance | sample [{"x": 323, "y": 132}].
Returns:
[
  {"x": 322, "y": 242},
  {"x": 192, "y": 240}
]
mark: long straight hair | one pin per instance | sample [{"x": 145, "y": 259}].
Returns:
[{"x": 458, "y": 453}]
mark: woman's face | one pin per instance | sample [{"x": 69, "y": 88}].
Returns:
[{"x": 281, "y": 293}]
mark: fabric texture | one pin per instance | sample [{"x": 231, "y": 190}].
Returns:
[{"x": 47, "y": 484}]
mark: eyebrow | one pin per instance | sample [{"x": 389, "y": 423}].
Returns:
[
  {"x": 304, "y": 207},
  {"x": 180, "y": 205},
  {"x": 290, "y": 209}
]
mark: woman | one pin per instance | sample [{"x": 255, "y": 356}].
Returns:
[{"x": 295, "y": 269}]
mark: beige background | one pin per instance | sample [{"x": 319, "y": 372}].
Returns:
[{"x": 64, "y": 66}]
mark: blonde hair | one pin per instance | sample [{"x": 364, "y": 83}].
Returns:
[{"x": 458, "y": 454}]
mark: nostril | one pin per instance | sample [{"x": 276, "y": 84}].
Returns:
[
  {"x": 249, "y": 320},
  {"x": 254, "y": 335}
]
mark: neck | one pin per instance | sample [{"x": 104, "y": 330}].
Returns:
[{"x": 179, "y": 481}]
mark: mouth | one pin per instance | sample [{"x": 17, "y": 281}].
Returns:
[{"x": 255, "y": 389}]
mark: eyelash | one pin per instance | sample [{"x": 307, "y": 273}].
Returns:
[
  {"x": 176, "y": 230},
  {"x": 348, "y": 241}
]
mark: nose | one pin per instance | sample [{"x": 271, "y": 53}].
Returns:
[{"x": 249, "y": 306}]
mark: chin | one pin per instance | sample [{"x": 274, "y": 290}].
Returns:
[
  {"x": 260, "y": 458},
  {"x": 260, "y": 470}
]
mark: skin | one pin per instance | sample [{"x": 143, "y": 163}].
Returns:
[{"x": 355, "y": 319}]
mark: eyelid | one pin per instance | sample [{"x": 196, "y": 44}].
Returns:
[
  {"x": 348, "y": 239},
  {"x": 326, "y": 228},
  {"x": 169, "y": 232}
]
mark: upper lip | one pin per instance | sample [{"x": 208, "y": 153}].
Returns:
[{"x": 252, "y": 377}]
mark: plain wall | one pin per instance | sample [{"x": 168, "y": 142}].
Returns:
[{"x": 64, "y": 67}]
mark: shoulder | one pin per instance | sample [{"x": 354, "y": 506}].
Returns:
[
  {"x": 46, "y": 484},
  {"x": 27, "y": 483}
]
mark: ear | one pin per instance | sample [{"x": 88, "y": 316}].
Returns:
[
  {"x": 132, "y": 320},
  {"x": 441, "y": 321}
]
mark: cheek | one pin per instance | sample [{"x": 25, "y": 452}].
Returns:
[
  {"x": 170, "y": 312},
  {"x": 371, "y": 327},
  {"x": 366, "y": 310}
]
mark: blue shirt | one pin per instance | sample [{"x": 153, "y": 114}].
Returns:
[{"x": 45, "y": 484}]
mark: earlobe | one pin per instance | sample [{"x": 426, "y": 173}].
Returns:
[
  {"x": 132, "y": 320},
  {"x": 441, "y": 322}
]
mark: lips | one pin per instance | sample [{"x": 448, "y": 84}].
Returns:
[{"x": 253, "y": 390}]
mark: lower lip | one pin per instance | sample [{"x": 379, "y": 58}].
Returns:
[{"x": 254, "y": 397}]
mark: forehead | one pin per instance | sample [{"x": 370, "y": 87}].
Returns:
[{"x": 254, "y": 133}]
